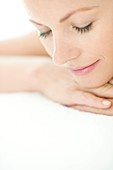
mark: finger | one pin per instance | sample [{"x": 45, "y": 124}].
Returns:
[
  {"x": 104, "y": 91},
  {"x": 88, "y": 99},
  {"x": 108, "y": 112}
]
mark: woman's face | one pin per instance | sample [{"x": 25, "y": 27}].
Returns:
[{"x": 77, "y": 34}]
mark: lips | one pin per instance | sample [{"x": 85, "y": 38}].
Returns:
[{"x": 84, "y": 70}]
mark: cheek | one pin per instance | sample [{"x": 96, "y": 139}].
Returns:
[
  {"x": 100, "y": 75},
  {"x": 101, "y": 47},
  {"x": 100, "y": 43}
]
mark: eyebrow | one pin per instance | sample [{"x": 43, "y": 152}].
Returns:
[
  {"x": 69, "y": 14},
  {"x": 77, "y": 11},
  {"x": 34, "y": 22}
]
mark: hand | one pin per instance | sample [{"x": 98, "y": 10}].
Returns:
[
  {"x": 104, "y": 91},
  {"x": 57, "y": 84},
  {"x": 107, "y": 112}
]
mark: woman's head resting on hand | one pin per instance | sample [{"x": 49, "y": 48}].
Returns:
[{"x": 77, "y": 34}]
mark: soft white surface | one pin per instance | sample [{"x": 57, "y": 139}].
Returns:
[{"x": 38, "y": 134}]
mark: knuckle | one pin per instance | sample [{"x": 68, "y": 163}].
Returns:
[
  {"x": 87, "y": 95},
  {"x": 91, "y": 98}
]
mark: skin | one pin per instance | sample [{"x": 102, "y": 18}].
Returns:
[
  {"x": 40, "y": 74},
  {"x": 68, "y": 47}
]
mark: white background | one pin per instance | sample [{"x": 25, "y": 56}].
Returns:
[{"x": 13, "y": 19}]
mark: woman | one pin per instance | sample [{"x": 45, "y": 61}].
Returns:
[{"x": 77, "y": 35}]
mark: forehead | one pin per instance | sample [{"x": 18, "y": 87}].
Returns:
[
  {"x": 44, "y": 5},
  {"x": 52, "y": 9}
]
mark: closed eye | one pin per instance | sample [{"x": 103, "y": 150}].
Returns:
[
  {"x": 45, "y": 34},
  {"x": 85, "y": 29},
  {"x": 78, "y": 29}
]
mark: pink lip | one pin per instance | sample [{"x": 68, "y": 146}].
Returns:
[{"x": 84, "y": 70}]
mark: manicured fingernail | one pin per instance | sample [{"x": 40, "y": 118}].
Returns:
[{"x": 106, "y": 102}]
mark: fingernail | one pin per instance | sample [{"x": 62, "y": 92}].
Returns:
[{"x": 106, "y": 102}]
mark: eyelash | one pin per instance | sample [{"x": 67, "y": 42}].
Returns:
[
  {"x": 45, "y": 34},
  {"x": 78, "y": 29},
  {"x": 85, "y": 29}
]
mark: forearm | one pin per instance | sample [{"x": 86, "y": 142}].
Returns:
[
  {"x": 28, "y": 44},
  {"x": 21, "y": 74},
  {"x": 41, "y": 75}
]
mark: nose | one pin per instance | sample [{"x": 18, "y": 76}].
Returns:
[{"x": 64, "y": 52}]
